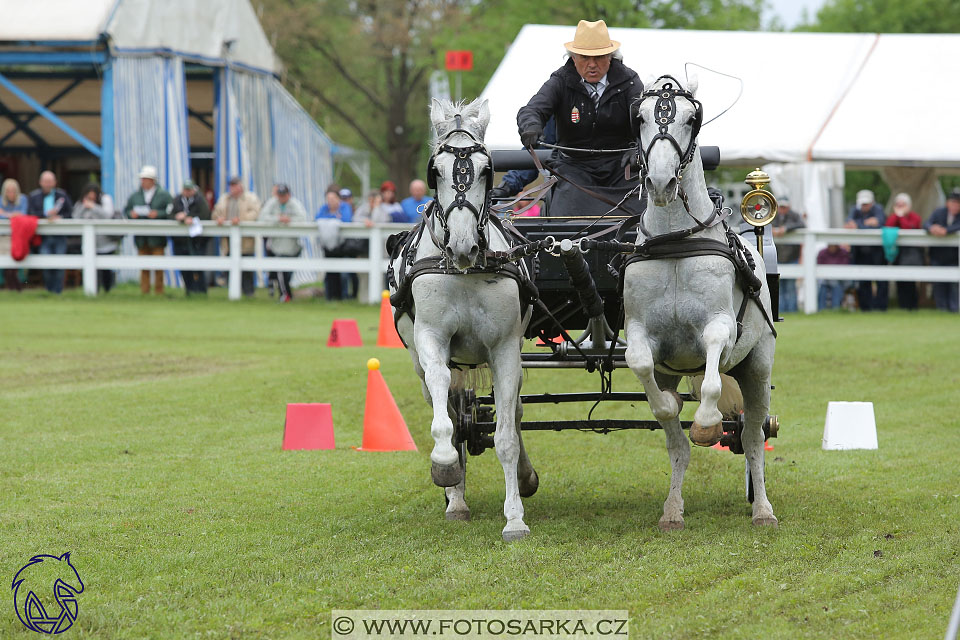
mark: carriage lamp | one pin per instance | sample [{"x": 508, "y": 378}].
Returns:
[{"x": 759, "y": 206}]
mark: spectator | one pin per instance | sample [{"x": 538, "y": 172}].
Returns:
[
  {"x": 346, "y": 196},
  {"x": 831, "y": 290},
  {"x": 236, "y": 206},
  {"x": 52, "y": 203},
  {"x": 942, "y": 222},
  {"x": 90, "y": 207},
  {"x": 787, "y": 220},
  {"x": 334, "y": 207},
  {"x": 418, "y": 198},
  {"x": 189, "y": 207},
  {"x": 12, "y": 203},
  {"x": 283, "y": 209},
  {"x": 389, "y": 209},
  {"x": 149, "y": 202},
  {"x": 366, "y": 211},
  {"x": 867, "y": 214},
  {"x": 904, "y": 217}
]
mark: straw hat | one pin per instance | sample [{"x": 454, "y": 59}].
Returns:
[{"x": 592, "y": 39}]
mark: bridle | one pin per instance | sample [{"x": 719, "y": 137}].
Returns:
[
  {"x": 463, "y": 178},
  {"x": 665, "y": 113}
]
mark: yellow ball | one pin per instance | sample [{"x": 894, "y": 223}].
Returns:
[
  {"x": 373, "y": 364},
  {"x": 385, "y": 294}
]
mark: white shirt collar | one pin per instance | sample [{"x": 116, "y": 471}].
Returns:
[
  {"x": 601, "y": 84},
  {"x": 148, "y": 194}
]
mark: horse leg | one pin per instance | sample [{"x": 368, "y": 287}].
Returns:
[
  {"x": 665, "y": 405},
  {"x": 505, "y": 366},
  {"x": 527, "y": 476},
  {"x": 678, "y": 447},
  {"x": 434, "y": 356},
  {"x": 753, "y": 376},
  {"x": 457, "y": 508},
  {"x": 707, "y": 427}
]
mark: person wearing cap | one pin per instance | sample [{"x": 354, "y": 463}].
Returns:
[
  {"x": 187, "y": 207},
  {"x": 346, "y": 196},
  {"x": 283, "y": 209},
  {"x": 867, "y": 214},
  {"x": 904, "y": 217},
  {"x": 152, "y": 202},
  {"x": 235, "y": 206},
  {"x": 787, "y": 220},
  {"x": 590, "y": 98},
  {"x": 942, "y": 222},
  {"x": 52, "y": 203}
]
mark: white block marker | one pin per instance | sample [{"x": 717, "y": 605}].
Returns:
[{"x": 850, "y": 425}]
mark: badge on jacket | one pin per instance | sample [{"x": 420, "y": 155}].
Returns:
[{"x": 575, "y": 115}]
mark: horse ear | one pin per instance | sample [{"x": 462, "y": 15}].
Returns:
[
  {"x": 692, "y": 83},
  {"x": 483, "y": 116},
  {"x": 650, "y": 81},
  {"x": 437, "y": 116}
]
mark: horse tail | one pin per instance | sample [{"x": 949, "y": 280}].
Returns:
[
  {"x": 730, "y": 403},
  {"x": 479, "y": 379}
]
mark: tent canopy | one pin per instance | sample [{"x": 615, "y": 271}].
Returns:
[
  {"x": 224, "y": 30},
  {"x": 806, "y": 96}
]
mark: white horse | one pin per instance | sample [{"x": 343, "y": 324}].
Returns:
[
  {"x": 681, "y": 313},
  {"x": 459, "y": 313}
]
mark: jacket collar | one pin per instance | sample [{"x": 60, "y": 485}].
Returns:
[{"x": 616, "y": 75}]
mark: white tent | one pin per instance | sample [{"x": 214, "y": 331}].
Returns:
[{"x": 865, "y": 99}]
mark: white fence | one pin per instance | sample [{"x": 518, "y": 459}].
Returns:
[
  {"x": 814, "y": 240},
  {"x": 375, "y": 264}
]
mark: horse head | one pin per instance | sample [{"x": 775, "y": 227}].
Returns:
[
  {"x": 461, "y": 171},
  {"x": 669, "y": 117}
]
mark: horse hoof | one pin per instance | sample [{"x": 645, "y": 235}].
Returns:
[
  {"x": 766, "y": 521},
  {"x": 670, "y": 525},
  {"x": 512, "y": 535},
  {"x": 449, "y": 475},
  {"x": 529, "y": 485},
  {"x": 705, "y": 436},
  {"x": 463, "y": 516}
]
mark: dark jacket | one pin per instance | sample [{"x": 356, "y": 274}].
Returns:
[
  {"x": 195, "y": 207},
  {"x": 606, "y": 127},
  {"x": 161, "y": 202},
  {"x": 516, "y": 179},
  {"x": 35, "y": 203},
  {"x": 943, "y": 256},
  {"x": 861, "y": 254}
]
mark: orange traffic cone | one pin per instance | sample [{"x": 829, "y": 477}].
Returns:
[
  {"x": 383, "y": 427},
  {"x": 387, "y": 336}
]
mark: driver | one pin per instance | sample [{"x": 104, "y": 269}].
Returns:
[{"x": 590, "y": 98}]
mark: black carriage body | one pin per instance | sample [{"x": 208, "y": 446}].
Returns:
[{"x": 553, "y": 281}]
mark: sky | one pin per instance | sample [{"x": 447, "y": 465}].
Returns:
[{"x": 790, "y": 11}]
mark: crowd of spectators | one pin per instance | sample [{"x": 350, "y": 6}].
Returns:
[{"x": 192, "y": 208}]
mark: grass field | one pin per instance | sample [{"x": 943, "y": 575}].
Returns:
[{"x": 143, "y": 436}]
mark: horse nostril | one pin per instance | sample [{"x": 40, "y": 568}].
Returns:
[
  {"x": 648, "y": 184},
  {"x": 449, "y": 252},
  {"x": 672, "y": 186},
  {"x": 474, "y": 250}
]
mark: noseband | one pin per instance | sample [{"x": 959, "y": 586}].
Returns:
[
  {"x": 463, "y": 178},
  {"x": 665, "y": 113}
]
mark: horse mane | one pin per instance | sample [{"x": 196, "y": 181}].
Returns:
[{"x": 474, "y": 118}]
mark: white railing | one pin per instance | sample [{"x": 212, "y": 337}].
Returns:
[
  {"x": 814, "y": 240},
  {"x": 374, "y": 265}
]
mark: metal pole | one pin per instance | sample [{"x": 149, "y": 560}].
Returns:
[
  {"x": 375, "y": 280},
  {"x": 459, "y": 85},
  {"x": 954, "y": 624}
]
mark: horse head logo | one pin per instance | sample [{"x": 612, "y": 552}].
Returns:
[{"x": 41, "y": 585}]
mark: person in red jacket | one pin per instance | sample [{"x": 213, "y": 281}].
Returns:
[{"x": 904, "y": 217}]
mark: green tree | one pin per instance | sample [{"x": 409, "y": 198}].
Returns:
[{"x": 887, "y": 16}]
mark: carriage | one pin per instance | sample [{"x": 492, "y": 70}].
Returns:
[{"x": 667, "y": 287}]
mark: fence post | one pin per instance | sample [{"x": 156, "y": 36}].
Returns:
[
  {"x": 375, "y": 281},
  {"x": 233, "y": 280},
  {"x": 88, "y": 248},
  {"x": 809, "y": 271}
]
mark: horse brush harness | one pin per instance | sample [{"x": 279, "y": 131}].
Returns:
[{"x": 505, "y": 263}]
